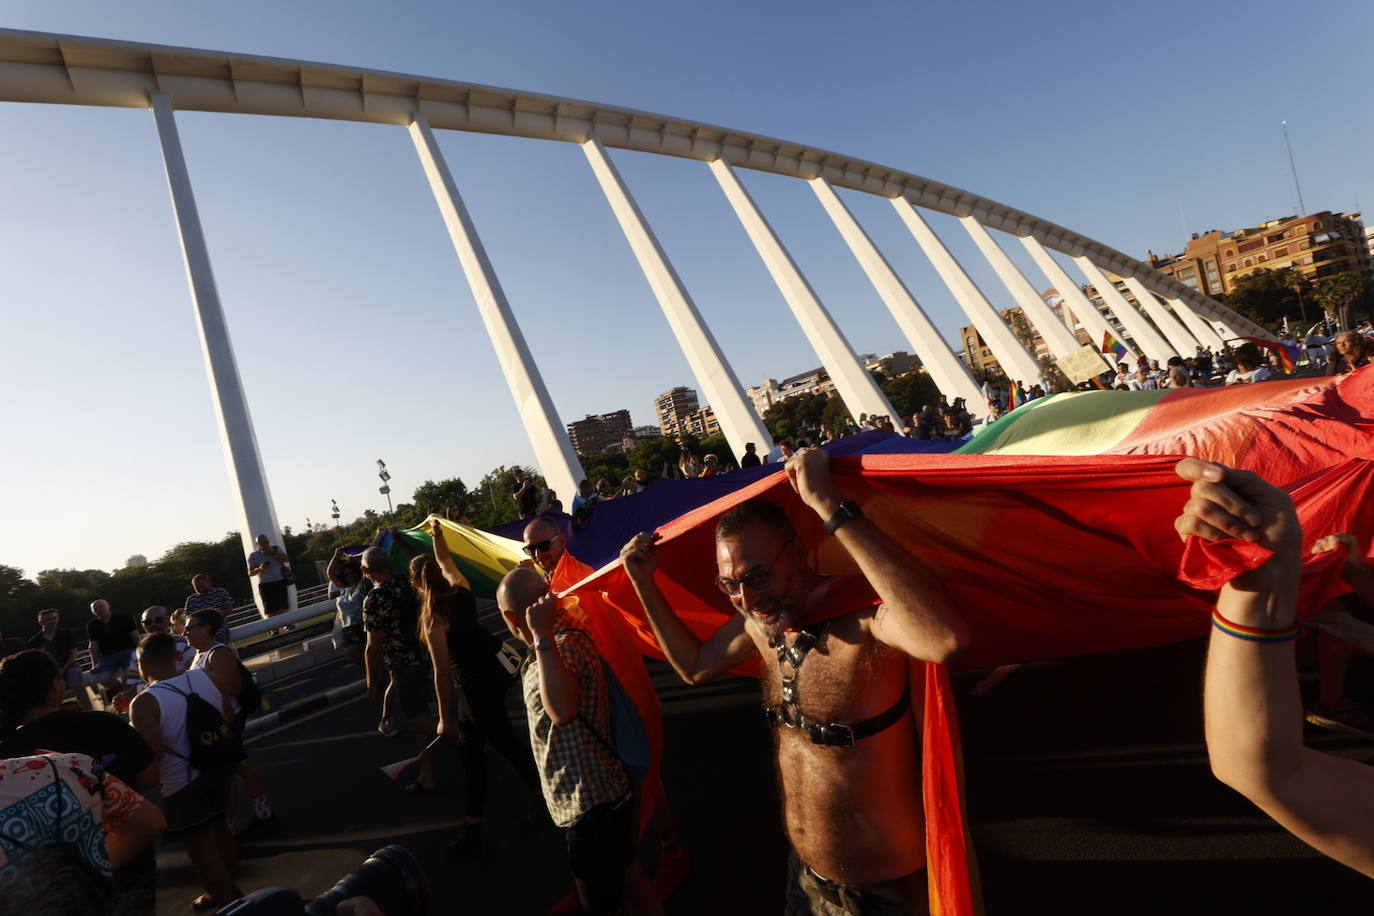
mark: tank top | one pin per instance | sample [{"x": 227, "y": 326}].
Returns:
[
  {"x": 471, "y": 649},
  {"x": 176, "y": 769},
  {"x": 202, "y": 661}
]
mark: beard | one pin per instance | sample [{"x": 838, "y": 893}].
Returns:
[{"x": 773, "y": 618}]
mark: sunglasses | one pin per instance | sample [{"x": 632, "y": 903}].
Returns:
[
  {"x": 154, "y": 619},
  {"x": 540, "y": 546},
  {"x": 757, "y": 579}
]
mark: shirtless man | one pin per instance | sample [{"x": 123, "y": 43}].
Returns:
[{"x": 851, "y": 799}]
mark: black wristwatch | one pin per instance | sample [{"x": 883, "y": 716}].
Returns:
[{"x": 848, "y": 511}]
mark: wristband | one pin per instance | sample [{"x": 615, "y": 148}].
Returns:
[
  {"x": 1253, "y": 634},
  {"x": 544, "y": 644}
]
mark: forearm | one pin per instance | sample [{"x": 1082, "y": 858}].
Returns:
[
  {"x": 372, "y": 664},
  {"x": 444, "y": 557},
  {"x": 437, "y": 642},
  {"x": 679, "y": 644},
  {"x": 132, "y": 836},
  {"x": 920, "y": 619},
  {"x": 558, "y": 689},
  {"x": 1252, "y": 708}
]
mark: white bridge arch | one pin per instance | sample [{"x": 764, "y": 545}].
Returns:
[{"x": 69, "y": 70}]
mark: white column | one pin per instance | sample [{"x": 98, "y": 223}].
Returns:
[
  {"x": 950, "y": 375},
  {"x": 855, "y": 386},
  {"x": 1058, "y": 337},
  {"x": 1017, "y": 363},
  {"x": 1182, "y": 340},
  {"x": 256, "y": 514},
  {"x": 1137, "y": 325},
  {"x": 738, "y": 420},
  {"x": 1201, "y": 328},
  {"x": 1075, "y": 302},
  {"x": 552, "y": 448}
]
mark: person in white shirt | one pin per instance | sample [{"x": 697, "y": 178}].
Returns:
[
  {"x": 193, "y": 800},
  {"x": 1249, "y": 366}
]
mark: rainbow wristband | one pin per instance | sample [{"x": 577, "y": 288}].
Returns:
[{"x": 1254, "y": 634}]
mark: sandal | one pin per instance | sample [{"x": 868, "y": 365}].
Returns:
[{"x": 419, "y": 788}]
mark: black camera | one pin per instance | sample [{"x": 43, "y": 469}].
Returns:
[{"x": 390, "y": 878}]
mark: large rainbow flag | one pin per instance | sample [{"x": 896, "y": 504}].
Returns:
[
  {"x": 1053, "y": 532},
  {"x": 482, "y": 557}
]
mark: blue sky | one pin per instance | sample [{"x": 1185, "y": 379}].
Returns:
[{"x": 354, "y": 329}]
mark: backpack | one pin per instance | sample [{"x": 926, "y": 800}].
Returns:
[
  {"x": 214, "y": 746},
  {"x": 629, "y": 738},
  {"x": 250, "y": 694}
]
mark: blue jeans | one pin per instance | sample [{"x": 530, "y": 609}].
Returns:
[{"x": 109, "y": 664}]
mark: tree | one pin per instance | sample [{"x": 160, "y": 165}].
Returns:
[
  {"x": 431, "y": 497},
  {"x": 1268, "y": 296},
  {"x": 787, "y": 418},
  {"x": 1337, "y": 293},
  {"x": 909, "y": 393}
]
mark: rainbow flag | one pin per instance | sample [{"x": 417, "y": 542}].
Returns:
[
  {"x": 1288, "y": 356},
  {"x": 1113, "y": 348},
  {"x": 1015, "y": 399}
]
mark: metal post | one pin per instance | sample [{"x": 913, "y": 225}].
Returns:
[
  {"x": 949, "y": 374},
  {"x": 1200, "y": 327},
  {"x": 856, "y": 387},
  {"x": 1137, "y": 325},
  {"x": 1179, "y": 337},
  {"x": 738, "y": 420},
  {"x": 255, "y": 510},
  {"x": 1075, "y": 302},
  {"x": 552, "y": 449},
  {"x": 1017, "y": 363}
]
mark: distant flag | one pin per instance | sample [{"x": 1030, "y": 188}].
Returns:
[
  {"x": 1016, "y": 398},
  {"x": 1113, "y": 347},
  {"x": 393, "y": 771},
  {"x": 1288, "y": 355}
]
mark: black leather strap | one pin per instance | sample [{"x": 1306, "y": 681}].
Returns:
[{"x": 837, "y": 734}]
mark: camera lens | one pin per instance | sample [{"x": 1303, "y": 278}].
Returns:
[{"x": 390, "y": 877}]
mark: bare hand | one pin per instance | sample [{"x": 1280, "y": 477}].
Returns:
[
  {"x": 1229, "y": 503},
  {"x": 448, "y": 728},
  {"x": 540, "y": 615},
  {"x": 809, "y": 473},
  {"x": 436, "y": 528},
  {"x": 639, "y": 556},
  {"x": 1353, "y": 560}
]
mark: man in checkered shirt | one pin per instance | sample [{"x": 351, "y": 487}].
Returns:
[{"x": 586, "y": 787}]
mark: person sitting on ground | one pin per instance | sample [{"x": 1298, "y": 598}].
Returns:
[
  {"x": 394, "y": 660},
  {"x": 112, "y": 637},
  {"x": 463, "y": 657},
  {"x": 751, "y": 457},
  {"x": 1176, "y": 376},
  {"x": 1352, "y": 352},
  {"x": 587, "y": 789},
  {"x": 67, "y": 820},
  {"x": 32, "y": 720},
  {"x": 61, "y": 645},
  {"x": 1249, "y": 366},
  {"x": 1252, "y": 705},
  {"x": 193, "y": 800},
  {"x": 224, "y": 668},
  {"x": 346, "y": 574},
  {"x": 830, "y": 654}
]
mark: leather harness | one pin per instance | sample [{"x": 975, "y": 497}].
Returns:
[{"x": 788, "y": 714}]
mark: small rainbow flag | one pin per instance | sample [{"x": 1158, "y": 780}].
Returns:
[
  {"x": 1113, "y": 347},
  {"x": 1287, "y": 355},
  {"x": 1015, "y": 399},
  {"x": 393, "y": 771}
]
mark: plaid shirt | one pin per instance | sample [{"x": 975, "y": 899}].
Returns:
[
  {"x": 390, "y": 609},
  {"x": 577, "y": 771}
]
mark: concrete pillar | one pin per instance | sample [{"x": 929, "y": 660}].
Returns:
[
  {"x": 717, "y": 381},
  {"x": 1151, "y": 343},
  {"x": 1201, "y": 327},
  {"x": 948, "y": 372},
  {"x": 855, "y": 386},
  {"x": 256, "y": 514},
  {"x": 1179, "y": 337},
  {"x": 1058, "y": 337},
  {"x": 552, "y": 449},
  {"x": 1075, "y": 302},
  {"x": 1018, "y": 364}
]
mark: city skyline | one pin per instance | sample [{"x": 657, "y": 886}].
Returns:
[{"x": 354, "y": 331}]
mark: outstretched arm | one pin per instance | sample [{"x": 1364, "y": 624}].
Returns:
[
  {"x": 1252, "y": 707},
  {"x": 916, "y": 615},
  {"x": 695, "y": 662},
  {"x": 444, "y": 558},
  {"x": 335, "y": 570}
]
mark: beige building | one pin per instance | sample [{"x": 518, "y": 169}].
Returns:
[
  {"x": 595, "y": 434},
  {"x": 680, "y": 414}
]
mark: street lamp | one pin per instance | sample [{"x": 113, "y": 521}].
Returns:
[
  {"x": 385, "y": 488},
  {"x": 334, "y": 512}
]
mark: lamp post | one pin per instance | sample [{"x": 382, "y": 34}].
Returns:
[
  {"x": 385, "y": 488},
  {"x": 334, "y": 512}
]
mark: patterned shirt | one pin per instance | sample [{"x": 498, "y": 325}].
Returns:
[
  {"x": 40, "y": 793},
  {"x": 215, "y": 599},
  {"x": 391, "y": 609},
  {"x": 576, "y": 769}
]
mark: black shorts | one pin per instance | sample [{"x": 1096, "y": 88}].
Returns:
[
  {"x": 198, "y": 802},
  {"x": 275, "y": 599},
  {"x": 601, "y": 845},
  {"x": 354, "y": 635}
]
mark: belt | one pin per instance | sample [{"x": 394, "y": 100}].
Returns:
[
  {"x": 843, "y": 895},
  {"x": 836, "y": 734}
]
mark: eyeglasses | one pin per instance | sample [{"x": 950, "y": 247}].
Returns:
[
  {"x": 148, "y": 620},
  {"x": 540, "y": 546},
  {"x": 757, "y": 579}
]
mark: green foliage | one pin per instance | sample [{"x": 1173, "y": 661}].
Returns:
[
  {"x": 1268, "y": 296},
  {"x": 909, "y": 393},
  {"x": 787, "y": 418},
  {"x": 1339, "y": 292},
  {"x": 492, "y": 504},
  {"x": 431, "y": 497}
]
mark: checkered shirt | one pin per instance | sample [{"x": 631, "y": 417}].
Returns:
[{"x": 577, "y": 771}]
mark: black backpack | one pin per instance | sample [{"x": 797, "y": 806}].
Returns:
[
  {"x": 250, "y": 694},
  {"x": 214, "y": 746}
]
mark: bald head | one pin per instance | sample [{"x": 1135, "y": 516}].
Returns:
[
  {"x": 544, "y": 543},
  {"x": 520, "y": 588},
  {"x": 101, "y": 608}
]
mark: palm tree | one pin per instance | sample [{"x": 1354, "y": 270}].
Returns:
[{"x": 1336, "y": 292}]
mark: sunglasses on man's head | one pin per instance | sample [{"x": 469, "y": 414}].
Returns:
[{"x": 541, "y": 546}]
